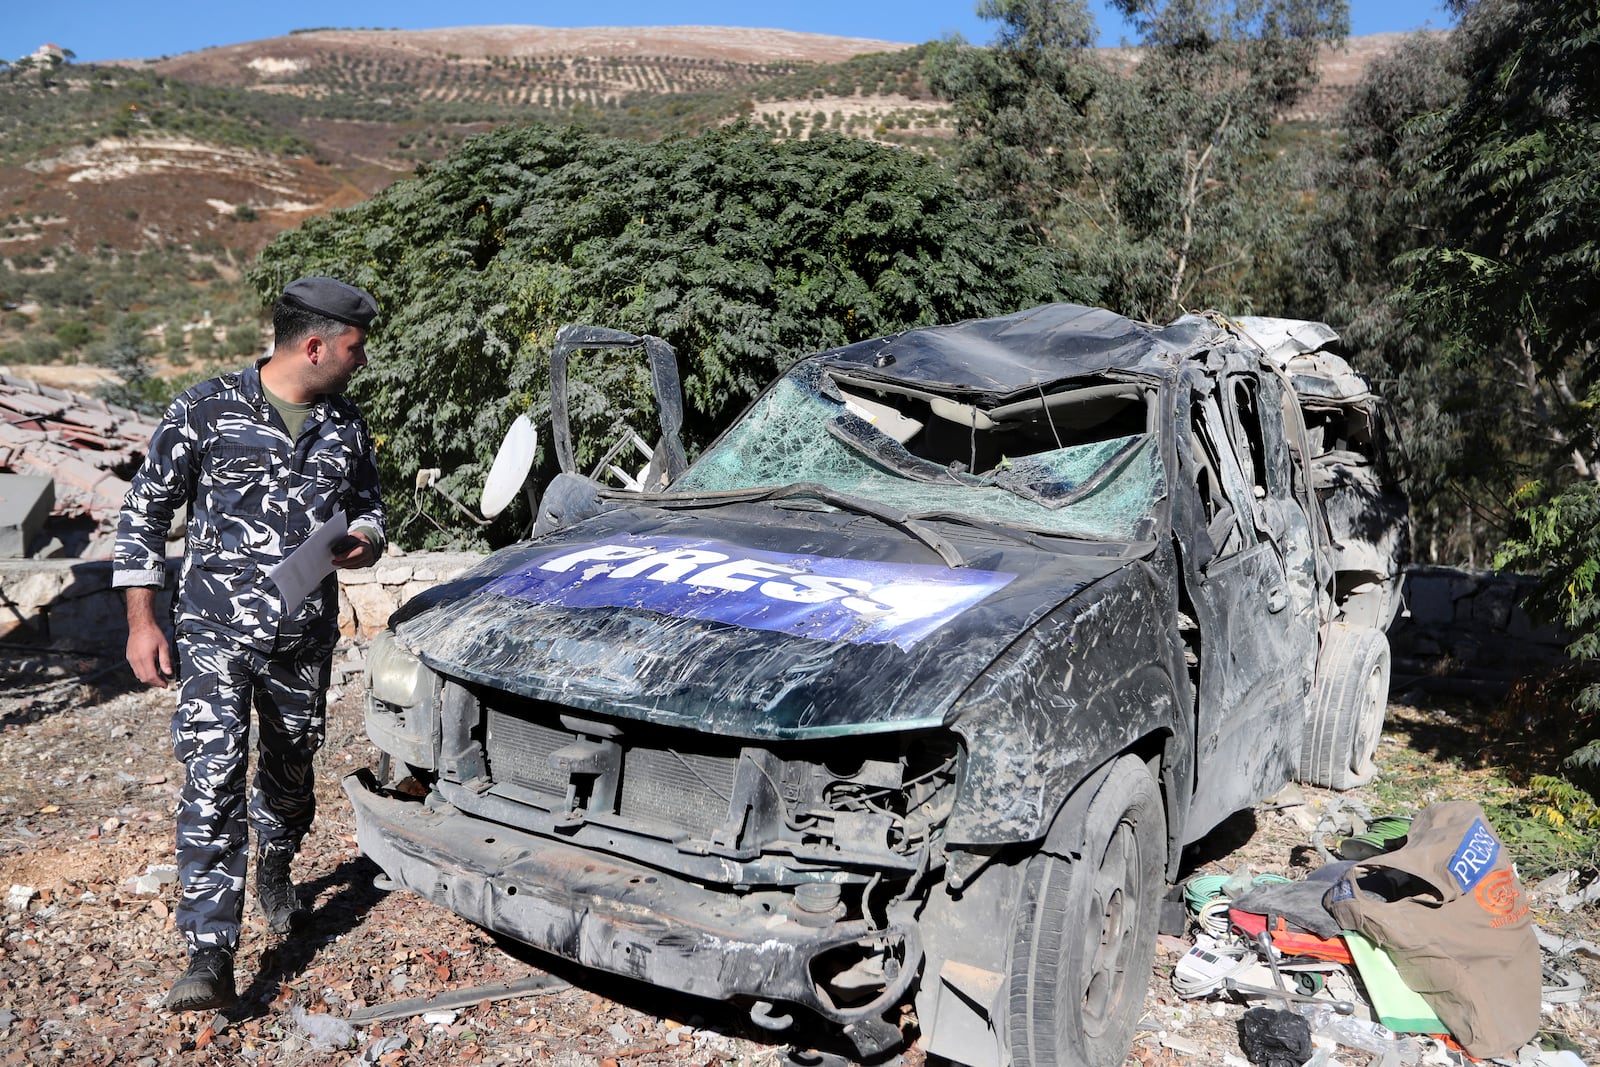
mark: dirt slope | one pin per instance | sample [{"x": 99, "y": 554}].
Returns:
[{"x": 255, "y": 62}]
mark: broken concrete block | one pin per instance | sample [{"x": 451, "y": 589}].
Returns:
[
  {"x": 25, "y": 503},
  {"x": 154, "y": 877}
]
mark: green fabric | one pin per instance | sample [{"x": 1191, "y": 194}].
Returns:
[
  {"x": 293, "y": 415},
  {"x": 1396, "y": 1004}
]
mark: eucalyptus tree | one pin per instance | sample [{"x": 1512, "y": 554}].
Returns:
[
  {"x": 1154, "y": 164},
  {"x": 1512, "y": 282}
]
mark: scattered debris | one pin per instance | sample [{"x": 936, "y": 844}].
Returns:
[
  {"x": 375, "y": 1052},
  {"x": 1588, "y": 895},
  {"x": 445, "y": 1003},
  {"x": 1273, "y": 1038},
  {"x": 1295, "y": 943},
  {"x": 154, "y": 877},
  {"x": 90, "y": 961},
  {"x": 325, "y": 1031}
]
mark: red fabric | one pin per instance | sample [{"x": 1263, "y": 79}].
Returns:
[{"x": 1290, "y": 940}]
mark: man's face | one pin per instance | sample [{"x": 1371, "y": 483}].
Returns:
[{"x": 339, "y": 359}]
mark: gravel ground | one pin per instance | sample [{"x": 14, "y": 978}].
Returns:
[{"x": 87, "y": 785}]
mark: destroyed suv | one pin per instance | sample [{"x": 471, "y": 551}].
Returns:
[{"x": 913, "y": 686}]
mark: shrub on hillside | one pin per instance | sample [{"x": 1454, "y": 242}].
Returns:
[{"x": 742, "y": 253}]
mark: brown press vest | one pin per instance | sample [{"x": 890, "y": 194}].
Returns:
[{"x": 1464, "y": 938}]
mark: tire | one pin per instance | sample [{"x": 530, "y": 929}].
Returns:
[
  {"x": 1085, "y": 930},
  {"x": 1347, "y": 707}
]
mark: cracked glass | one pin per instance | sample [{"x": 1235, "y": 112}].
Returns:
[{"x": 800, "y": 431}]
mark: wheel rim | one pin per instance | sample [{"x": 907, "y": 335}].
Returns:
[
  {"x": 1370, "y": 728},
  {"x": 1106, "y": 982}
]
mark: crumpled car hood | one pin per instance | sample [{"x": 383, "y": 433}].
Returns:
[{"x": 750, "y": 621}]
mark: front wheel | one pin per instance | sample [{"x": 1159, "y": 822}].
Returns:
[
  {"x": 1085, "y": 930},
  {"x": 1348, "y": 704}
]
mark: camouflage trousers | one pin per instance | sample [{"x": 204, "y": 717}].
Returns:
[{"x": 220, "y": 684}]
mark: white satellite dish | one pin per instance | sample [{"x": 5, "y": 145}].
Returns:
[{"x": 510, "y": 468}]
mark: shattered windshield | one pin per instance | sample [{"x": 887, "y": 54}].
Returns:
[{"x": 805, "y": 430}]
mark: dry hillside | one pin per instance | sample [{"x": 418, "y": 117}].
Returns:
[{"x": 367, "y": 106}]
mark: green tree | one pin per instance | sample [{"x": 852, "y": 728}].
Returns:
[
  {"x": 1513, "y": 283},
  {"x": 1350, "y": 270},
  {"x": 1154, "y": 167},
  {"x": 243, "y": 340},
  {"x": 74, "y": 333},
  {"x": 1022, "y": 107},
  {"x": 126, "y": 352},
  {"x": 742, "y": 253},
  {"x": 1515, "y": 274}
]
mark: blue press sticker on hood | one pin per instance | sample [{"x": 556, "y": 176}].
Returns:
[
  {"x": 1475, "y": 856},
  {"x": 822, "y": 597}
]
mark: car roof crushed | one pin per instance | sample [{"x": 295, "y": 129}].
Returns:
[{"x": 1003, "y": 356}]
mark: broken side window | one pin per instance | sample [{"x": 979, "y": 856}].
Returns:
[{"x": 1224, "y": 492}]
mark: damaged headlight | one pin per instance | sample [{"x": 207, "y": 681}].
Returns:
[{"x": 394, "y": 675}]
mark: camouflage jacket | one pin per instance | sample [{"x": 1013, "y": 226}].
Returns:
[{"x": 253, "y": 497}]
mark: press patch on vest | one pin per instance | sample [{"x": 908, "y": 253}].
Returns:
[
  {"x": 822, "y": 597},
  {"x": 1343, "y": 889},
  {"x": 1472, "y": 859}
]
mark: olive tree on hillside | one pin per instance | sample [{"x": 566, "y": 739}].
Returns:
[{"x": 742, "y": 253}]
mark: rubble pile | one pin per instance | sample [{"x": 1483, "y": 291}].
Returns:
[{"x": 85, "y": 444}]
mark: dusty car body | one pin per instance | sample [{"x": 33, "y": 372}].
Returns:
[{"x": 912, "y": 687}]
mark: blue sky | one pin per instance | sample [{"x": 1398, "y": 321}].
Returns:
[{"x": 102, "y": 29}]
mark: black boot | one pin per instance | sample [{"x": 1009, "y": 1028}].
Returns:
[
  {"x": 274, "y": 891},
  {"x": 206, "y": 983}
]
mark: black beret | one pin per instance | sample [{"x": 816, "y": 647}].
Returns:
[{"x": 332, "y": 298}]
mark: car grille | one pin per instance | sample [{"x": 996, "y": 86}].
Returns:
[
  {"x": 878, "y": 799},
  {"x": 519, "y": 752},
  {"x": 681, "y": 789},
  {"x": 667, "y": 788}
]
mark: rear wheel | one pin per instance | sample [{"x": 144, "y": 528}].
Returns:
[
  {"x": 1348, "y": 703},
  {"x": 1085, "y": 930}
]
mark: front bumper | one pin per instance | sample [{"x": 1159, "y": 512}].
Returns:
[{"x": 617, "y": 916}]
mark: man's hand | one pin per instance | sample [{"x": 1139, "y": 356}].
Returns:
[
  {"x": 354, "y": 550},
  {"x": 149, "y": 654}
]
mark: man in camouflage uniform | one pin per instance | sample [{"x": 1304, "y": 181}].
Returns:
[{"x": 261, "y": 458}]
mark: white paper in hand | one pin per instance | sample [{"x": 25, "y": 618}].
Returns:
[{"x": 305, "y": 567}]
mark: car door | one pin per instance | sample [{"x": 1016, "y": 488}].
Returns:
[{"x": 1249, "y": 636}]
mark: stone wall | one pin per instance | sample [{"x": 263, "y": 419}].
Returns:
[
  {"x": 69, "y": 603},
  {"x": 1466, "y": 631}
]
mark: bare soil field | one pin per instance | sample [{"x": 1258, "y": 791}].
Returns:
[{"x": 87, "y": 785}]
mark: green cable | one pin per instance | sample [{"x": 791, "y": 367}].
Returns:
[{"x": 1204, "y": 888}]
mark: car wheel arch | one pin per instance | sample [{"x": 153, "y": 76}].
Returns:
[
  {"x": 1155, "y": 751},
  {"x": 1014, "y": 792}
]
